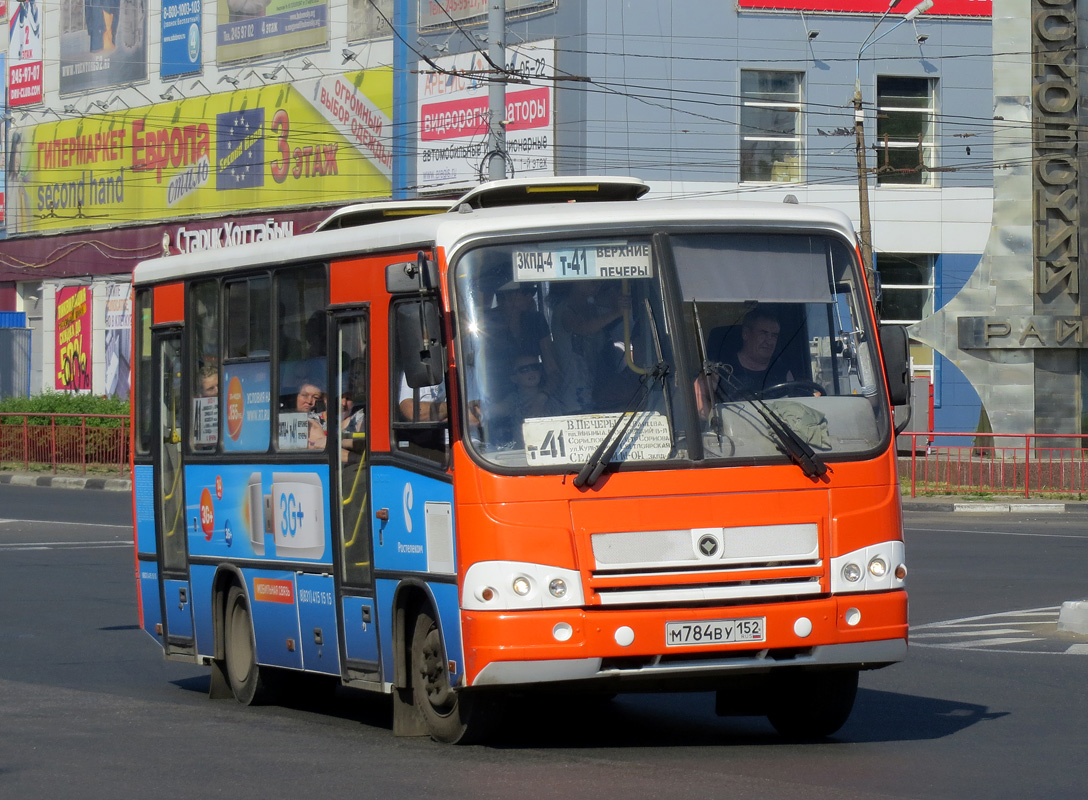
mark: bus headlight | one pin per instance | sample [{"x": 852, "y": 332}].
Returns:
[
  {"x": 509, "y": 585},
  {"x": 877, "y": 568}
]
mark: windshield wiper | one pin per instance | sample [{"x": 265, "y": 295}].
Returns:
[
  {"x": 602, "y": 456},
  {"x": 789, "y": 442}
]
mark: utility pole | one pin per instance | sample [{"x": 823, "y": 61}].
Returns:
[
  {"x": 865, "y": 229},
  {"x": 496, "y": 96}
]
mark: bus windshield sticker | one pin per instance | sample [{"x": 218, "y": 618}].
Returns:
[
  {"x": 607, "y": 261},
  {"x": 205, "y": 420},
  {"x": 572, "y": 439},
  {"x": 294, "y": 430}
]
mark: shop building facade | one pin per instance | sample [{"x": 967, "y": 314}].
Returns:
[{"x": 211, "y": 118}]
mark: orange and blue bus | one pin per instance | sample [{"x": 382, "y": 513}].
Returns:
[{"x": 559, "y": 447}]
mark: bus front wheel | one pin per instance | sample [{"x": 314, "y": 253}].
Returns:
[
  {"x": 812, "y": 705},
  {"x": 451, "y": 717},
  {"x": 242, "y": 671}
]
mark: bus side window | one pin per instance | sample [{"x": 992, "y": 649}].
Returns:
[
  {"x": 420, "y": 418},
  {"x": 142, "y": 367},
  {"x": 246, "y": 372},
  {"x": 204, "y": 365},
  {"x": 302, "y": 408}
]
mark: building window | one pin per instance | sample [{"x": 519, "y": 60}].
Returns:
[
  {"x": 906, "y": 284},
  {"x": 905, "y": 130},
  {"x": 770, "y": 126}
]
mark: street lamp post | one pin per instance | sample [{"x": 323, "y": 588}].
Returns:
[{"x": 865, "y": 233}]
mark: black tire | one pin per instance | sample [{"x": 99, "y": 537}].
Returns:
[
  {"x": 240, "y": 649},
  {"x": 812, "y": 705},
  {"x": 451, "y": 717}
]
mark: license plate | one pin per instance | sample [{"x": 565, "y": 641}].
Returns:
[{"x": 715, "y": 631}]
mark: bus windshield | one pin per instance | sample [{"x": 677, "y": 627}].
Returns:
[{"x": 562, "y": 341}]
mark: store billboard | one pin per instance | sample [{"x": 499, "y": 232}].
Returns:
[
  {"x": 434, "y": 14},
  {"x": 182, "y": 32},
  {"x": 944, "y": 8},
  {"x": 369, "y": 19},
  {"x": 25, "y": 54},
  {"x": 102, "y": 44},
  {"x": 453, "y": 117},
  {"x": 313, "y": 142},
  {"x": 118, "y": 328},
  {"x": 73, "y": 351},
  {"x": 248, "y": 29}
]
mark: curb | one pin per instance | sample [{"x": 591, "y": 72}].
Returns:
[
  {"x": 66, "y": 482},
  {"x": 987, "y": 507}
]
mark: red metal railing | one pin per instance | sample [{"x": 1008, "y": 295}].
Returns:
[
  {"x": 64, "y": 440},
  {"x": 996, "y": 463}
]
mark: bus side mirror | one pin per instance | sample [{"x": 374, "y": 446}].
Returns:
[
  {"x": 419, "y": 342},
  {"x": 896, "y": 346},
  {"x": 419, "y": 276}
]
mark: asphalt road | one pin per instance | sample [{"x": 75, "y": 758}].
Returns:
[{"x": 989, "y": 704}]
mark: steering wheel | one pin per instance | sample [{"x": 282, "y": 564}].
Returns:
[{"x": 794, "y": 389}]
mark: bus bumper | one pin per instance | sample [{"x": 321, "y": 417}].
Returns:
[{"x": 865, "y": 631}]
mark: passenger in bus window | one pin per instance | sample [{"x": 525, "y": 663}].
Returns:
[
  {"x": 352, "y": 424},
  {"x": 753, "y": 366},
  {"x": 310, "y": 400},
  {"x": 310, "y": 397},
  {"x": 426, "y": 404},
  {"x": 209, "y": 381},
  {"x": 524, "y": 399},
  {"x": 515, "y": 325},
  {"x": 585, "y": 312}
]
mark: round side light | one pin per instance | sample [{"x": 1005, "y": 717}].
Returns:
[
  {"x": 851, "y": 572},
  {"x": 557, "y": 588},
  {"x": 878, "y": 567},
  {"x": 624, "y": 636},
  {"x": 562, "y": 632}
]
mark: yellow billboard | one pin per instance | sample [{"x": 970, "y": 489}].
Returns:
[{"x": 322, "y": 140}]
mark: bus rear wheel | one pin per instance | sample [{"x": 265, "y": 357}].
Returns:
[
  {"x": 451, "y": 717},
  {"x": 246, "y": 683},
  {"x": 812, "y": 705}
]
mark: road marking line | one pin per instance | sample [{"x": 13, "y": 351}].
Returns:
[
  {"x": 1004, "y": 652},
  {"x": 46, "y": 545},
  {"x": 980, "y": 625},
  {"x": 987, "y": 643},
  {"x": 27, "y": 548},
  {"x": 958, "y": 633},
  {"x": 58, "y": 522},
  {"x": 952, "y": 622},
  {"x": 997, "y": 533}
]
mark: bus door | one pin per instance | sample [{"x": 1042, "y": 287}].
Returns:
[
  {"x": 352, "y": 511},
  {"x": 169, "y": 409}
]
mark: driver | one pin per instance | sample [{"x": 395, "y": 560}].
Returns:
[{"x": 754, "y": 366}]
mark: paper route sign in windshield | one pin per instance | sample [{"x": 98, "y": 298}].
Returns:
[
  {"x": 595, "y": 261},
  {"x": 572, "y": 439}
]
